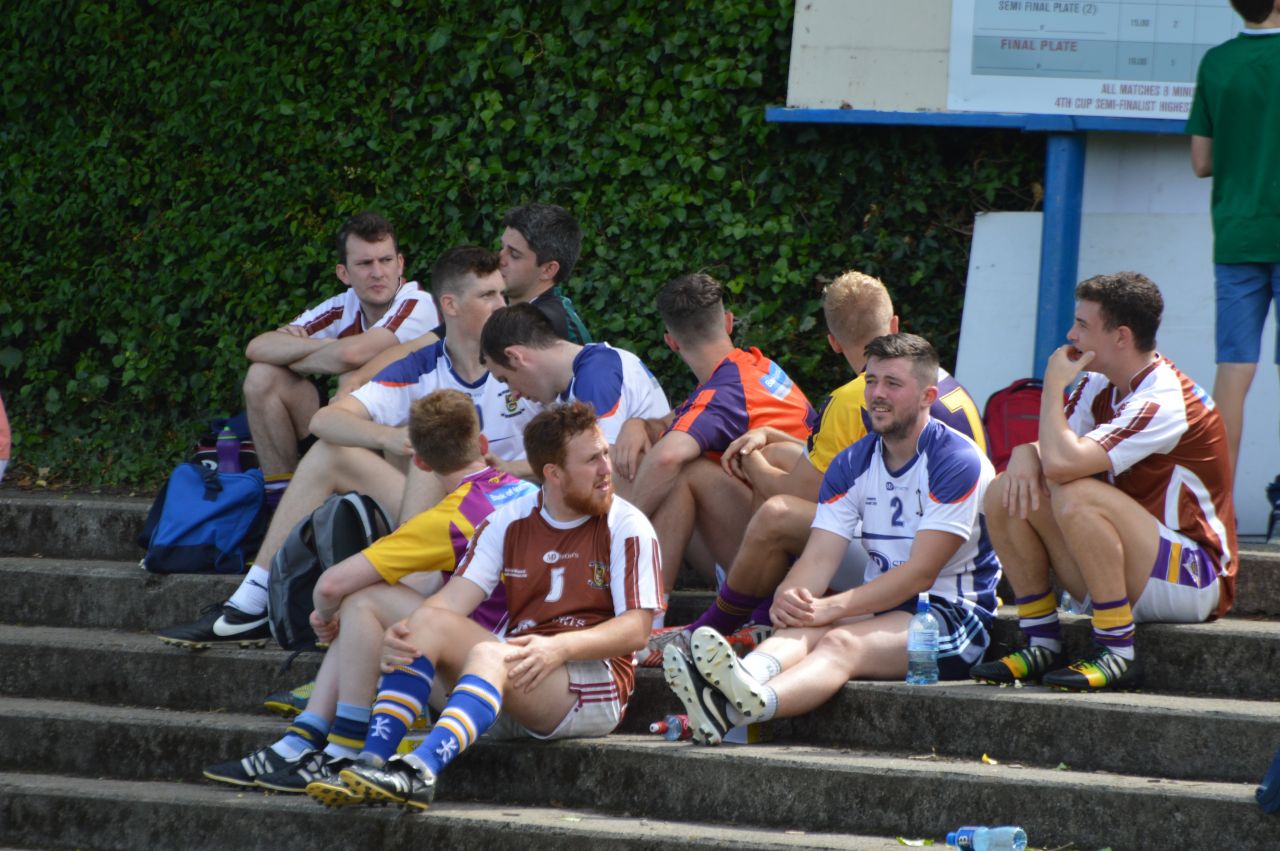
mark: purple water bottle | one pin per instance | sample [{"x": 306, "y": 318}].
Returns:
[{"x": 228, "y": 448}]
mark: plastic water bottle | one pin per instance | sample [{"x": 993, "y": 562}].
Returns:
[
  {"x": 989, "y": 838},
  {"x": 228, "y": 448},
  {"x": 922, "y": 645},
  {"x": 674, "y": 728}
]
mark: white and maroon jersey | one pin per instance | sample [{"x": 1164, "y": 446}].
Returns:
[
  {"x": 412, "y": 313},
  {"x": 618, "y": 385},
  {"x": 1168, "y": 451},
  {"x": 393, "y": 391},
  {"x": 567, "y": 576}
]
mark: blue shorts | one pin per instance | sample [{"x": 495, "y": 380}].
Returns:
[
  {"x": 1243, "y": 293},
  {"x": 963, "y": 636}
]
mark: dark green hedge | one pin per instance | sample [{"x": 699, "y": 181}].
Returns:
[{"x": 172, "y": 173}]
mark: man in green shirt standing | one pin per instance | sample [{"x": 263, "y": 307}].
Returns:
[{"x": 1235, "y": 138}]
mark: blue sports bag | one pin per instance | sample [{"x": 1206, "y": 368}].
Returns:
[{"x": 204, "y": 521}]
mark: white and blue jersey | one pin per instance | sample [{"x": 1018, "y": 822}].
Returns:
[
  {"x": 618, "y": 385},
  {"x": 393, "y": 391},
  {"x": 940, "y": 489}
]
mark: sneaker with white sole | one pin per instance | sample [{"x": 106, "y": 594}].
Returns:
[
  {"x": 246, "y": 770},
  {"x": 719, "y": 665},
  {"x": 706, "y": 707},
  {"x": 220, "y": 624},
  {"x": 399, "y": 782}
]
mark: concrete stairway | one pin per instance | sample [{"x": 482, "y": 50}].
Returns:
[{"x": 104, "y": 730}]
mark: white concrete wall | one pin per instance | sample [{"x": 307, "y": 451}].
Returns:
[
  {"x": 1143, "y": 211},
  {"x": 870, "y": 54}
]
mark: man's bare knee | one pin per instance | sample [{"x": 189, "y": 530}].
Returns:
[
  {"x": 992, "y": 502},
  {"x": 265, "y": 379},
  {"x": 1072, "y": 501},
  {"x": 487, "y": 654}
]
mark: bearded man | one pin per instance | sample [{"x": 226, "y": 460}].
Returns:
[{"x": 583, "y": 579}]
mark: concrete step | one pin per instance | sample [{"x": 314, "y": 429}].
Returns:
[
  {"x": 111, "y": 667},
  {"x": 783, "y": 787},
  {"x": 1139, "y": 733},
  {"x": 46, "y": 811},
  {"x": 1190, "y": 738},
  {"x": 71, "y": 526},
  {"x": 105, "y": 527},
  {"x": 120, "y": 594},
  {"x": 108, "y": 594}
]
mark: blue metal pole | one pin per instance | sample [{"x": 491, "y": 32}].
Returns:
[{"x": 1059, "y": 243}]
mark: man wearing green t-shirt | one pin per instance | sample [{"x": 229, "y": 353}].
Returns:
[{"x": 1235, "y": 138}]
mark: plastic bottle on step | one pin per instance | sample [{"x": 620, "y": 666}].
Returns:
[
  {"x": 674, "y": 728},
  {"x": 922, "y": 645},
  {"x": 1006, "y": 838}
]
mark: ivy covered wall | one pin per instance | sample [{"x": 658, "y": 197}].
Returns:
[{"x": 171, "y": 175}]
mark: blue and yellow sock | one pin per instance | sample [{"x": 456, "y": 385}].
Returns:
[
  {"x": 346, "y": 736},
  {"x": 402, "y": 694},
  {"x": 472, "y": 709},
  {"x": 1038, "y": 619},
  {"x": 1113, "y": 626},
  {"x": 306, "y": 733}
]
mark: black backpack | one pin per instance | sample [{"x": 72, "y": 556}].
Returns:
[{"x": 343, "y": 526}]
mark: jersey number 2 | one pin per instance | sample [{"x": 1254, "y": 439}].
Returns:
[{"x": 897, "y": 511}]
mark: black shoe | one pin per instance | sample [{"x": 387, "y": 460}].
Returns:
[
  {"x": 220, "y": 623},
  {"x": 1100, "y": 670},
  {"x": 707, "y": 708},
  {"x": 246, "y": 771},
  {"x": 1030, "y": 663},
  {"x": 296, "y": 776},
  {"x": 398, "y": 781}
]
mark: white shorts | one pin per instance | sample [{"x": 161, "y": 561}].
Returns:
[
  {"x": 597, "y": 712},
  {"x": 1183, "y": 587}
]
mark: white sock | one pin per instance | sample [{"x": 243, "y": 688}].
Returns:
[
  {"x": 251, "y": 596},
  {"x": 338, "y": 751},
  {"x": 761, "y": 666},
  {"x": 289, "y": 747}
]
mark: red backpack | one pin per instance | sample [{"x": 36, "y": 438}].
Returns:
[{"x": 1012, "y": 418}]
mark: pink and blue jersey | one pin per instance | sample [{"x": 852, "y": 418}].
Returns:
[
  {"x": 745, "y": 391},
  {"x": 940, "y": 489},
  {"x": 618, "y": 385}
]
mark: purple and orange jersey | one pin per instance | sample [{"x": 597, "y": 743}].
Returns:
[{"x": 745, "y": 391}]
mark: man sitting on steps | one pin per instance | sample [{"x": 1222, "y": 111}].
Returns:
[
  {"x": 358, "y": 598},
  {"x": 364, "y": 444},
  {"x": 911, "y": 495},
  {"x": 669, "y": 466},
  {"x": 583, "y": 580},
  {"x": 336, "y": 337},
  {"x": 1125, "y": 500},
  {"x": 785, "y": 477}
]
